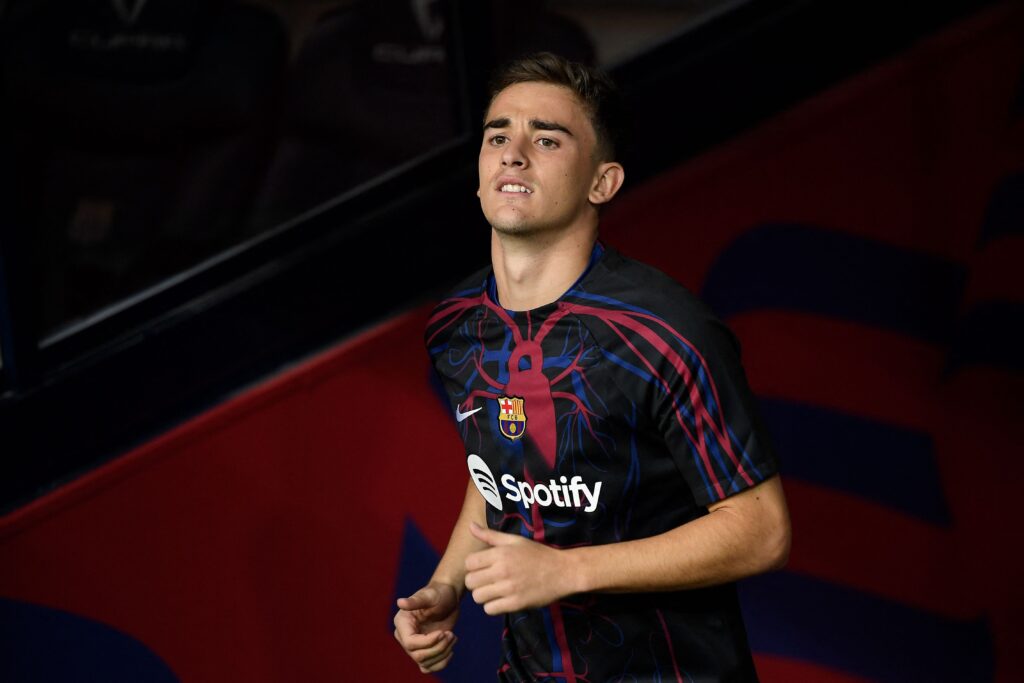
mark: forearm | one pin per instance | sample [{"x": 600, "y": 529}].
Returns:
[
  {"x": 743, "y": 535},
  {"x": 425, "y": 619},
  {"x": 452, "y": 567}
]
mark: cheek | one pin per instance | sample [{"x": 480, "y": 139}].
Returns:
[{"x": 483, "y": 170}]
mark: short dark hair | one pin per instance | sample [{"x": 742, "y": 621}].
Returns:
[{"x": 594, "y": 88}]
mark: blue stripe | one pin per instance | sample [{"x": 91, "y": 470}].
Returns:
[
  {"x": 466, "y": 292},
  {"x": 990, "y": 333},
  {"x": 44, "y": 644},
  {"x": 840, "y": 628},
  {"x": 811, "y": 268},
  {"x": 1004, "y": 215},
  {"x": 580, "y": 390},
  {"x": 745, "y": 459},
  {"x": 556, "y": 654},
  {"x": 708, "y": 489},
  {"x": 706, "y": 392},
  {"x": 639, "y": 372},
  {"x": 647, "y": 377},
  {"x": 615, "y": 303},
  {"x": 889, "y": 465},
  {"x": 716, "y": 453}
]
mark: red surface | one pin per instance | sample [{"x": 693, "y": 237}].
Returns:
[
  {"x": 779, "y": 669},
  {"x": 258, "y": 542}
]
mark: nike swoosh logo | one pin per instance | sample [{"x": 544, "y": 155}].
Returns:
[{"x": 460, "y": 416}]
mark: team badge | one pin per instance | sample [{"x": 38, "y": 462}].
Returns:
[{"x": 512, "y": 416}]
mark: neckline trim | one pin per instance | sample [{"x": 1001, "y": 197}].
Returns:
[{"x": 491, "y": 285}]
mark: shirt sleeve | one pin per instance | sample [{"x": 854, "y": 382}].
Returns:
[{"x": 704, "y": 408}]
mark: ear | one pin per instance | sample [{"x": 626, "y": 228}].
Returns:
[{"x": 607, "y": 181}]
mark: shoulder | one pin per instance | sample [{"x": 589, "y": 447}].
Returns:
[
  {"x": 644, "y": 284},
  {"x": 471, "y": 286},
  {"x": 454, "y": 304},
  {"x": 646, "y": 298}
]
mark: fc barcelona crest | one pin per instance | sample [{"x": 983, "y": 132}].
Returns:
[{"x": 512, "y": 416}]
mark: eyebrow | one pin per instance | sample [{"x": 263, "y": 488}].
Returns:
[{"x": 536, "y": 124}]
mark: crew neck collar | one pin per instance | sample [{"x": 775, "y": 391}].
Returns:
[{"x": 492, "y": 284}]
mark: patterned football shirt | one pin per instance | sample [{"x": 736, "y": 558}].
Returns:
[{"x": 618, "y": 412}]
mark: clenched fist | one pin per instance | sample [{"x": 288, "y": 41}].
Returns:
[{"x": 515, "y": 573}]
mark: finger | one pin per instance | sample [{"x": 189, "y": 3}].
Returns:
[
  {"x": 413, "y": 641},
  {"x": 492, "y": 537},
  {"x": 489, "y": 592},
  {"x": 481, "y": 559},
  {"x": 481, "y": 577},
  {"x": 418, "y": 642},
  {"x": 477, "y": 578},
  {"x": 443, "y": 651},
  {"x": 439, "y": 662},
  {"x": 437, "y": 666},
  {"x": 422, "y": 599},
  {"x": 405, "y": 625},
  {"x": 424, "y": 656},
  {"x": 501, "y": 606}
]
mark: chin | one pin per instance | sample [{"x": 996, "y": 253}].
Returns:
[
  {"x": 518, "y": 228},
  {"x": 509, "y": 223},
  {"x": 509, "y": 227}
]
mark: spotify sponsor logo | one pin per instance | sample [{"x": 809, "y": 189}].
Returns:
[
  {"x": 562, "y": 492},
  {"x": 483, "y": 479}
]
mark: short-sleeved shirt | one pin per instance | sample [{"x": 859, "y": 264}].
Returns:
[{"x": 618, "y": 412}]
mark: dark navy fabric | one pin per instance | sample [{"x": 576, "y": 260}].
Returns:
[{"x": 618, "y": 412}]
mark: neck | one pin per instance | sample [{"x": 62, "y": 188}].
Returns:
[{"x": 531, "y": 271}]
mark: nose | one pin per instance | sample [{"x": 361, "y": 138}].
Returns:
[{"x": 512, "y": 154}]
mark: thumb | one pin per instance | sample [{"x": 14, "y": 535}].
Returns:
[
  {"x": 490, "y": 536},
  {"x": 424, "y": 598}
]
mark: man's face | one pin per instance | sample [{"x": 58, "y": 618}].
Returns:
[{"x": 537, "y": 163}]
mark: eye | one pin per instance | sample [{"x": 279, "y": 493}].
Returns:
[
  {"x": 497, "y": 140},
  {"x": 547, "y": 143}
]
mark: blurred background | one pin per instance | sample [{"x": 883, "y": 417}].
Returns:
[{"x": 223, "y": 224}]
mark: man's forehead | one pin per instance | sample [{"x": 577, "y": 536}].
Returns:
[{"x": 537, "y": 101}]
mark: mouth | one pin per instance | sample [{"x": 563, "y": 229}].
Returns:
[{"x": 513, "y": 186}]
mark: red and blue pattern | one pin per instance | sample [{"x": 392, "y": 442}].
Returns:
[{"x": 618, "y": 395}]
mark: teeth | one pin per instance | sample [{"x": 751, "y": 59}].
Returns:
[{"x": 515, "y": 188}]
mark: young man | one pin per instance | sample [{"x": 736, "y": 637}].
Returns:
[{"x": 619, "y": 478}]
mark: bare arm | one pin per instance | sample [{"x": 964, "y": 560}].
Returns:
[
  {"x": 425, "y": 619},
  {"x": 744, "y": 534},
  {"x": 451, "y": 570}
]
